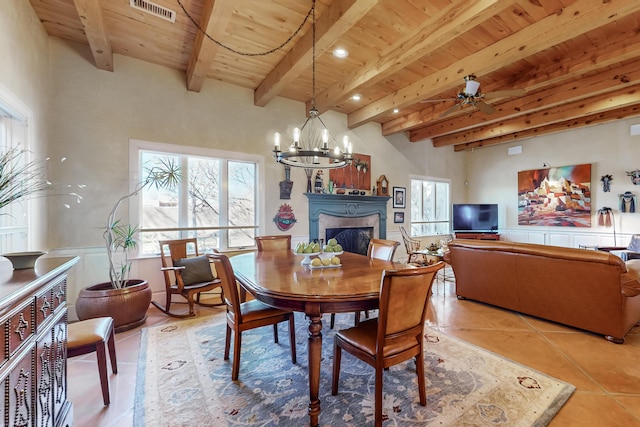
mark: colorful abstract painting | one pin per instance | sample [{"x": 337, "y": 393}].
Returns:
[{"x": 557, "y": 196}]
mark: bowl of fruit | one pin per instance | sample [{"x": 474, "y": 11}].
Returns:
[
  {"x": 332, "y": 247},
  {"x": 326, "y": 260},
  {"x": 307, "y": 250}
]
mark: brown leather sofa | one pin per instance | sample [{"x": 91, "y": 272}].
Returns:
[{"x": 586, "y": 289}]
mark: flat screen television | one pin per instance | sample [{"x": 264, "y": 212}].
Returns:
[{"x": 475, "y": 218}]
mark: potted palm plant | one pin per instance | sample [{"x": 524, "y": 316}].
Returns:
[{"x": 124, "y": 299}]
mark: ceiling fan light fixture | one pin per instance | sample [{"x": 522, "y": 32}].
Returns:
[{"x": 471, "y": 87}]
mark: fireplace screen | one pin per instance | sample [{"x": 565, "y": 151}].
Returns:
[{"x": 354, "y": 239}]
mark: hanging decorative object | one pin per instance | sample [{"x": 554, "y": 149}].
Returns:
[
  {"x": 635, "y": 176},
  {"x": 284, "y": 219},
  {"x": 319, "y": 184},
  {"x": 606, "y": 182},
  {"x": 627, "y": 202},
  {"x": 287, "y": 185},
  {"x": 382, "y": 186},
  {"x": 312, "y": 146},
  {"x": 309, "y": 173},
  {"x": 607, "y": 219}
]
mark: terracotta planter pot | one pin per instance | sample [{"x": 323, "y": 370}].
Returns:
[{"x": 128, "y": 306}]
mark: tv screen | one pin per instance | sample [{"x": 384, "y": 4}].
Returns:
[{"x": 475, "y": 218}]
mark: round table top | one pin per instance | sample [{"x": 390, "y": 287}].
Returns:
[{"x": 278, "y": 278}]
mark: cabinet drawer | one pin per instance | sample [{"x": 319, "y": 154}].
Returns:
[{"x": 20, "y": 326}]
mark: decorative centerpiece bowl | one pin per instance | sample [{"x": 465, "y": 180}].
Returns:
[{"x": 23, "y": 260}]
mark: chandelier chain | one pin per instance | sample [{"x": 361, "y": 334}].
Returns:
[{"x": 266, "y": 52}]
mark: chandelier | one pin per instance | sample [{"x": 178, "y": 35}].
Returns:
[{"x": 313, "y": 147}]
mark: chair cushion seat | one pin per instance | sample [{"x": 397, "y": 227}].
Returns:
[
  {"x": 88, "y": 331},
  {"x": 254, "y": 309},
  {"x": 364, "y": 337}
]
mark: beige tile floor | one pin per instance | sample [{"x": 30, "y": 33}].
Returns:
[{"x": 606, "y": 376}]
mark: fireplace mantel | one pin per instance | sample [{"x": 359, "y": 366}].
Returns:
[{"x": 347, "y": 206}]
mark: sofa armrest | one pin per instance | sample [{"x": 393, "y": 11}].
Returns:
[{"x": 630, "y": 281}]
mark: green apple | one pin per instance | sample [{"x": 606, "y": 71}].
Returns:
[
  {"x": 335, "y": 260},
  {"x": 316, "y": 262},
  {"x": 337, "y": 248},
  {"x": 326, "y": 261},
  {"x": 332, "y": 242}
]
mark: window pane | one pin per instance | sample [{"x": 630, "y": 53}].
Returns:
[
  {"x": 429, "y": 207},
  {"x": 242, "y": 202},
  {"x": 204, "y": 192}
]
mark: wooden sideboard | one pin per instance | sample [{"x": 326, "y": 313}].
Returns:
[
  {"x": 33, "y": 355},
  {"x": 478, "y": 236}
]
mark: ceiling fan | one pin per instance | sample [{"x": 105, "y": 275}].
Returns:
[{"x": 471, "y": 95}]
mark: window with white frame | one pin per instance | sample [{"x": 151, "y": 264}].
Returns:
[
  {"x": 430, "y": 207},
  {"x": 14, "y": 217},
  {"x": 216, "y": 201}
]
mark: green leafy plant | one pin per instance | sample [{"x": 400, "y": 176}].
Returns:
[
  {"x": 120, "y": 238},
  {"x": 21, "y": 180}
]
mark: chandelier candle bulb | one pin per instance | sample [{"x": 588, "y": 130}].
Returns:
[
  {"x": 276, "y": 141},
  {"x": 325, "y": 139}
]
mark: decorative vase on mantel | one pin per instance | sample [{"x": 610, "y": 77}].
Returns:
[{"x": 127, "y": 306}]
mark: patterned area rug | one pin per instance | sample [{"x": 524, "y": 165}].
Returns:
[{"x": 184, "y": 381}]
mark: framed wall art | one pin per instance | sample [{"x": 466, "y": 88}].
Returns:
[
  {"x": 399, "y": 197},
  {"x": 398, "y": 217},
  {"x": 355, "y": 176},
  {"x": 555, "y": 196}
]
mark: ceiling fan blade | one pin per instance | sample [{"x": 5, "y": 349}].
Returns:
[
  {"x": 424, "y": 101},
  {"x": 485, "y": 108},
  {"x": 504, "y": 93},
  {"x": 451, "y": 110}
]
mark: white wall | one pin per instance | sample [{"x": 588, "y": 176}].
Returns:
[
  {"x": 24, "y": 83},
  {"x": 609, "y": 148}
]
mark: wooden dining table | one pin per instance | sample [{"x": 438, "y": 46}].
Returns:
[{"x": 278, "y": 279}]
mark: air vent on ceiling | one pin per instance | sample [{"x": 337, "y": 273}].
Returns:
[{"x": 154, "y": 9}]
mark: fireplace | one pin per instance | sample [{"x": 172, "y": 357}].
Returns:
[{"x": 346, "y": 211}]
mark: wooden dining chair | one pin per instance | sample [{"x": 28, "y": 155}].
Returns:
[
  {"x": 378, "y": 249},
  {"x": 185, "y": 275},
  {"x": 247, "y": 315},
  {"x": 272, "y": 243},
  {"x": 396, "y": 335}
]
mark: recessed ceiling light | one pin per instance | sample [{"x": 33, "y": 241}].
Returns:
[
  {"x": 396, "y": 111},
  {"x": 340, "y": 53},
  {"x": 356, "y": 97}
]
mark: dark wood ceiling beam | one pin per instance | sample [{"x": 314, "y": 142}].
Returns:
[
  {"x": 578, "y": 18},
  {"x": 540, "y": 77},
  {"x": 574, "y": 90},
  {"x": 338, "y": 19},
  {"x": 216, "y": 15},
  {"x": 626, "y": 97},
  {"x": 90, "y": 13},
  {"x": 432, "y": 34},
  {"x": 590, "y": 120}
]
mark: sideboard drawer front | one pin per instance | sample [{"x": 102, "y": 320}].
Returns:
[
  {"x": 21, "y": 326},
  {"x": 44, "y": 307},
  {"x": 59, "y": 290}
]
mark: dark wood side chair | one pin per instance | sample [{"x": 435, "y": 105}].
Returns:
[
  {"x": 411, "y": 246},
  {"x": 271, "y": 243},
  {"x": 396, "y": 335},
  {"x": 247, "y": 315},
  {"x": 185, "y": 276},
  {"x": 378, "y": 249},
  {"x": 87, "y": 336}
]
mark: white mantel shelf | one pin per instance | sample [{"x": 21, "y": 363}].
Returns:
[{"x": 347, "y": 206}]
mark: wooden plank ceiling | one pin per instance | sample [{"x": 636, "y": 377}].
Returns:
[{"x": 578, "y": 61}]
